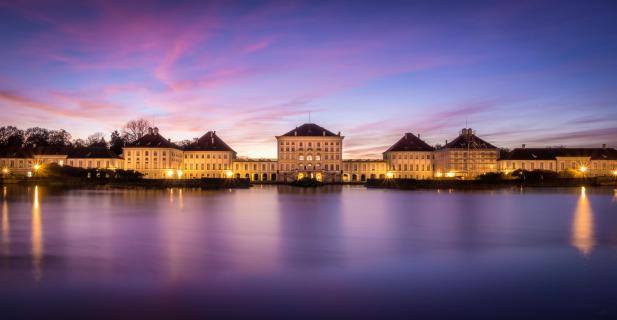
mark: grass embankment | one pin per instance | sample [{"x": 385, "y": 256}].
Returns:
[
  {"x": 65, "y": 176},
  {"x": 307, "y": 183},
  {"x": 519, "y": 178}
]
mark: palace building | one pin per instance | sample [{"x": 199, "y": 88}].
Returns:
[
  {"x": 585, "y": 161},
  {"x": 154, "y": 156},
  {"x": 26, "y": 161},
  {"x": 315, "y": 152},
  {"x": 208, "y": 157},
  {"x": 410, "y": 158},
  {"x": 466, "y": 157},
  {"x": 310, "y": 151}
]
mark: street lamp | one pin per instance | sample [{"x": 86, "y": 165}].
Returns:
[
  {"x": 5, "y": 170},
  {"x": 229, "y": 174},
  {"x": 583, "y": 169},
  {"x": 36, "y": 168},
  {"x": 389, "y": 175}
]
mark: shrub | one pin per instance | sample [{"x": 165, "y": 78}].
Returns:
[
  {"x": 54, "y": 170},
  {"x": 535, "y": 175},
  {"x": 492, "y": 177}
]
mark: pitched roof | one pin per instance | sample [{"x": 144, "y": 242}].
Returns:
[
  {"x": 82, "y": 152},
  {"x": 467, "y": 139},
  {"x": 553, "y": 153},
  {"x": 152, "y": 140},
  {"x": 92, "y": 152},
  {"x": 310, "y": 129},
  {"x": 14, "y": 152},
  {"x": 209, "y": 142},
  {"x": 50, "y": 150},
  {"x": 410, "y": 142}
]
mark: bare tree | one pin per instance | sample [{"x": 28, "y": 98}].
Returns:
[
  {"x": 79, "y": 143},
  {"x": 10, "y": 135},
  {"x": 96, "y": 139},
  {"x": 135, "y": 129},
  {"x": 59, "y": 138}
]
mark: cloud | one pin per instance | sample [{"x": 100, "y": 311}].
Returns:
[
  {"x": 579, "y": 137},
  {"x": 81, "y": 109}
]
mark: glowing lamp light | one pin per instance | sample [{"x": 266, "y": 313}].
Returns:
[
  {"x": 169, "y": 173},
  {"x": 450, "y": 174},
  {"x": 583, "y": 169},
  {"x": 5, "y": 170},
  {"x": 389, "y": 175},
  {"x": 615, "y": 172},
  {"x": 229, "y": 174},
  {"x": 180, "y": 173},
  {"x": 439, "y": 174},
  {"x": 37, "y": 166}
]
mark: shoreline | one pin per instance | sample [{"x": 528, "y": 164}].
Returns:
[{"x": 396, "y": 184}]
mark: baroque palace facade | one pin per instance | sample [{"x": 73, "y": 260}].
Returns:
[{"x": 313, "y": 151}]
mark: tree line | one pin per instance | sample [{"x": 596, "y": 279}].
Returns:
[{"x": 11, "y": 136}]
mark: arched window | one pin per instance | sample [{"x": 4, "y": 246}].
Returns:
[{"x": 301, "y": 158}]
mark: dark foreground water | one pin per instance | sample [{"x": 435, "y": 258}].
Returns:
[{"x": 297, "y": 253}]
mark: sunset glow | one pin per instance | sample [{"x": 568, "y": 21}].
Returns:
[{"x": 516, "y": 72}]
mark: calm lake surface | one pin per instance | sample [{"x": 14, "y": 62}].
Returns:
[{"x": 288, "y": 252}]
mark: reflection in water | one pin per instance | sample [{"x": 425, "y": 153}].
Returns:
[
  {"x": 37, "y": 236},
  {"x": 180, "y": 198},
  {"x": 582, "y": 225},
  {"x": 331, "y": 249},
  {"x": 5, "y": 223}
]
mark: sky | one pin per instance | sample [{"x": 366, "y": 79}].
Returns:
[{"x": 543, "y": 73}]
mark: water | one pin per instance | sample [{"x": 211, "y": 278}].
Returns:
[{"x": 335, "y": 251}]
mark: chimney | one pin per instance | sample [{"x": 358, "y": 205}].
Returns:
[
  {"x": 324, "y": 133},
  {"x": 418, "y": 136},
  {"x": 604, "y": 146},
  {"x": 295, "y": 133},
  {"x": 155, "y": 130},
  {"x": 339, "y": 133},
  {"x": 523, "y": 146},
  {"x": 149, "y": 130},
  {"x": 446, "y": 143},
  {"x": 169, "y": 139}
]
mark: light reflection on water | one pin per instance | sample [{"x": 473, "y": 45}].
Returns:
[
  {"x": 582, "y": 225},
  {"x": 428, "y": 245},
  {"x": 6, "y": 228},
  {"x": 37, "y": 236}
]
